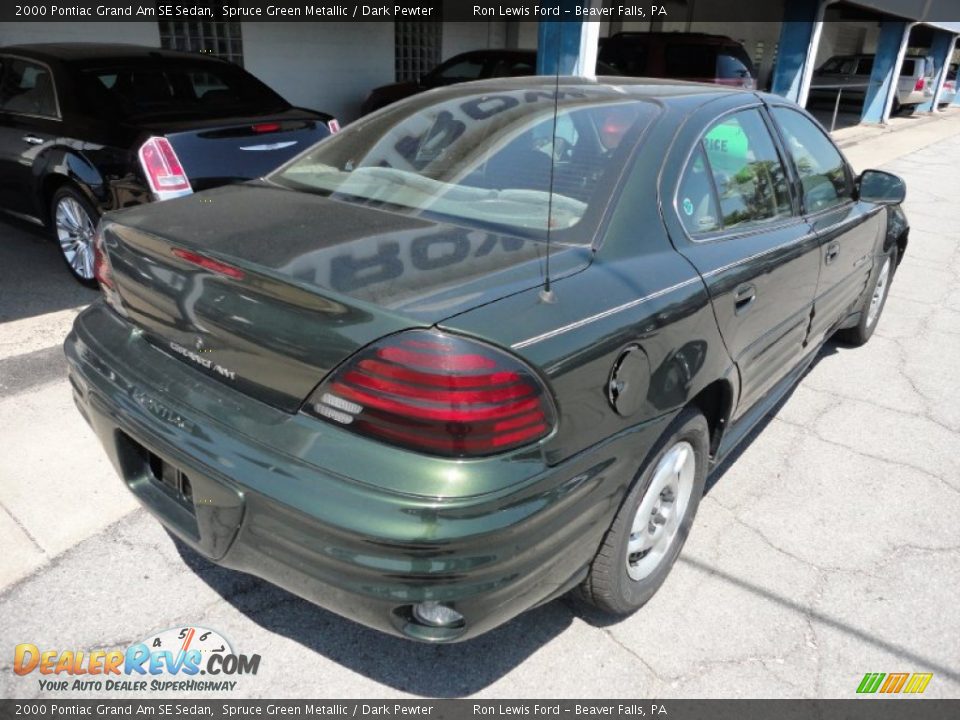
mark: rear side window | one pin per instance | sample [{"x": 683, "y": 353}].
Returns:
[
  {"x": 628, "y": 56},
  {"x": 204, "y": 89},
  {"x": 461, "y": 71},
  {"x": 696, "y": 200},
  {"x": 747, "y": 172},
  {"x": 819, "y": 164},
  {"x": 27, "y": 89},
  {"x": 908, "y": 67},
  {"x": 690, "y": 61},
  {"x": 733, "y": 63},
  {"x": 865, "y": 66}
]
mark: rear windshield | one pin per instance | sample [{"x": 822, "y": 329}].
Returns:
[
  {"x": 176, "y": 89},
  {"x": 488, "y": 160}
]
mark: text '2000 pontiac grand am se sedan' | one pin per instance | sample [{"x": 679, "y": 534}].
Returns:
[{"x": 482, "y": 347}]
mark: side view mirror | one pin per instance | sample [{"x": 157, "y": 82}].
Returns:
[{"x": 877, "y": 186}]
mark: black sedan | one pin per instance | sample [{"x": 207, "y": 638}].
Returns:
[
  {"x": 87, "y": 128},
  {"x": 482, "y": 347}
]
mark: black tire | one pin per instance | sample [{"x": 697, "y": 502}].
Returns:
[
  {"x": 860, "y": 333},
  {"x": 73, "y": 220},
  {"x": 609, "y": 585},
  {"x": 896, "y": 108}
]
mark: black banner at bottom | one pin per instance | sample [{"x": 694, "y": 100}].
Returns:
[{"x": 874, "y": 708}]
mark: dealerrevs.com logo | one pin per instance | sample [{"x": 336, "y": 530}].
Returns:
[{"x": 173, "y": 660}]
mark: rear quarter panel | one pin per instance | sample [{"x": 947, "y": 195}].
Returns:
[{"x": 638, "y": 291}]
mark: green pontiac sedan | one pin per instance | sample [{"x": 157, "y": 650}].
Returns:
[{"x": 482, "y": 347}]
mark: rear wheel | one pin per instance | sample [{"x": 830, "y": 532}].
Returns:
[
  {"x": 74, "y": 221},
  {"x": 653, "y": 522},
  {"x": 873, "y": 302}
]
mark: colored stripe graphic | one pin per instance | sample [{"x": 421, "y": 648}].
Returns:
[
  {"x": 894, "y": 682},
  {"x": 870, "y": 682},
  {"x": 918, "y": 683}
]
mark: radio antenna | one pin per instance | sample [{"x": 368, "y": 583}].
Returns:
[{"x": 547, "y": 295}]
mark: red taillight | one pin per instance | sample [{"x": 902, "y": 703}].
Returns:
[
  {"x": 920, "y": 84},
  {"x": 161, "y": 166},
  {"x": 103, "y": 272},
  {"x": 333, "y": 126},
  {"x": 267, "y": 127},
  {"x": 101, "y": 263},
  {"x": 437, "y": 393},
  {"x": 208, "y": 263}
]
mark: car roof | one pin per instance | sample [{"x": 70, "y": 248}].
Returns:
[
  {"x": 73, "y": 52},
  {"x": 656, "y": 89}
]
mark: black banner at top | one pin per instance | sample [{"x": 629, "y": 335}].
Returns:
[{"x": 435, "y": 10}]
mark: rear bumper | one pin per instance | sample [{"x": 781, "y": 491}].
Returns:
[{"x": 335, "y": 538}]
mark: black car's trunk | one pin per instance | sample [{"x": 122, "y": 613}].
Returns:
[{"x": 218, "y": 152}]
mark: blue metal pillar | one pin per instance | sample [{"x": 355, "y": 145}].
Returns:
[
  {"x": 567, "y": 47},
  {"x": 891, "y": 46},
  {"x": 799, "y": 39},
  {"x": 941, "y": 50}
]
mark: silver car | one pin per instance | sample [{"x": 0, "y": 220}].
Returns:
[{"x": 850, "y": 74}]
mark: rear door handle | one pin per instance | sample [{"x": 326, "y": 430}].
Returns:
[
  {"x": 743, "y": 298},
  {"x": 33, "y": 140},
  {"x": 833, "y": 250}
]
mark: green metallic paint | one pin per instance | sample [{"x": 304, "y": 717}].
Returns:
[{"x": 367, "y": 529}]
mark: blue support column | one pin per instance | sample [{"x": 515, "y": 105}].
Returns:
[
  {"x": 941, "y": 50},
  {"x": 886, "y": 70},
  {"x": 567, "y": 47},
  {"x": 799, "y": 38}
]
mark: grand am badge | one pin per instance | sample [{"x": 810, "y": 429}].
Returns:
[{"x": 203, "y": 361}]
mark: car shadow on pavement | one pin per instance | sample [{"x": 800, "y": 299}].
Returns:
[{"x": 412, "y": 667}]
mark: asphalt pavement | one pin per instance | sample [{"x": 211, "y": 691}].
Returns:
[{"x": 826, "y": 549}]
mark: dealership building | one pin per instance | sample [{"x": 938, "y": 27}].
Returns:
[{"x": 332, "y": 66}]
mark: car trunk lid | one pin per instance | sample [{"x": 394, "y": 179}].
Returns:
[{"x": 268, "y": 289}]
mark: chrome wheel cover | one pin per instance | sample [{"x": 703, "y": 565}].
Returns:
[
  {"x": 75, "y": 231},
  {"x": 661, "y": 510},
  {"x": 879, "y": 291}
]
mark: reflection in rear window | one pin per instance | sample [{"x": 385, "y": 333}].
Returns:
[
  {"x": 178, "y": 89},
  {"x": 485, "y": 159}
]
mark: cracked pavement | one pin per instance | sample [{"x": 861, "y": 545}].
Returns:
[{"x": 827, "y": 548}]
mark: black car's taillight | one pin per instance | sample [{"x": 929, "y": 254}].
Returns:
[
  {"x": 163, "y": 169},
  {"x": 437, "y": 393}
]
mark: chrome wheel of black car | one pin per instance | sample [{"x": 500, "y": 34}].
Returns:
[
  {"x": 654, "y": 520},
  {"x": 75, "y": 223}
]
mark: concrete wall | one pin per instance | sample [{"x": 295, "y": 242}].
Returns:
[
  {"x": 459, "y": 37},
  {"x": 324, "y": 66},
  {"x": 837, "y": 37},
  {"x": 145, "y": 33}
]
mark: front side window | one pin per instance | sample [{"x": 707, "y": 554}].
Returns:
[
  {"x": 185, "y": 89},
  {"x": 493, "y": 160},
  {"x": 819, "y": 164},
  {"x": 27, "y": 89},
  {"x": 747, "y": 172},
  {"x": 839, "y": 66}
]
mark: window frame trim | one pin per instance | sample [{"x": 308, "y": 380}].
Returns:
[{"x": 58, "y": 117}]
